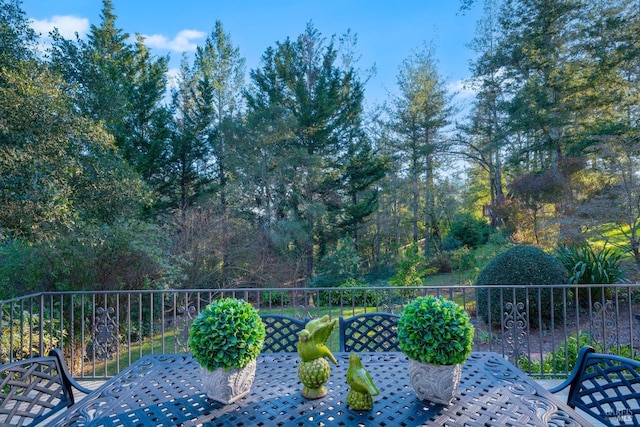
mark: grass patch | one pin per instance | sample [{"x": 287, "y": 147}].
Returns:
[{"x": 128, "y": 354}]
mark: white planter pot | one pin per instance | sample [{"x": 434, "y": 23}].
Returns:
[
  {"x": 436, "y": 384},
  {"x": 228, "y": 386}
]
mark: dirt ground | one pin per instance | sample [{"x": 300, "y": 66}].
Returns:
[{"x": 608, "y": 325}]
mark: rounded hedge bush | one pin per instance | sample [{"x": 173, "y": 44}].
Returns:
[
  {"x": 522, "y": 265},
  {"x": 228, "y": 333},
  {"x": 435, "y": 331}
]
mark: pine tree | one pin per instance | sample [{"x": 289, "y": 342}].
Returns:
[
  {"x": 188, "y": 157},
  {"x": 219, "y": 73},
  {"x": 420, "y": 113},
  {"x": 123, "y": 85},
  {"x": 146, "y": 137},
  {"x": 483, "y": 142},
  {"x": 317, "y": 105}
]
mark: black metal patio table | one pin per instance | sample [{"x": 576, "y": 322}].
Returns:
[{"x": 165, "y": 390}]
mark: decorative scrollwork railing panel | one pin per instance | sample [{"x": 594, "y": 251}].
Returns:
[
  {"x": 515, "y": 330},
  {"x": 104, "y": 341},
  {"x": 604, "y": 324},
  {"x": 180, "y": 318}
]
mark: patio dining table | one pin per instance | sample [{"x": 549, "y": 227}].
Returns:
[{"x": 166, "y": 390}]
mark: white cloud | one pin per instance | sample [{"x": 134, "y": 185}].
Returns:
[
  {"x": 180, "y": 43},
  {"x": 67, "y": 26}
]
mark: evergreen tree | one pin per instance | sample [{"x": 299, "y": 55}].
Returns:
[
  {"x": 219, "y": 73},
  {"x": 101, "y": 70},
  {"x": 542, "y": 75},
  {"x": 319, "y": 105},
  {"x": 484, "y": 141},
  {"x": 611, "y": 41},
  {"x": 146, "y": 137},
  {"x": 364, "y": 169},
  {"x": 189, "y": 153},
  {"x": 123, "y": 85},
  {"x": 420, "y": 113},
  {"x": 220, "y": 70}
]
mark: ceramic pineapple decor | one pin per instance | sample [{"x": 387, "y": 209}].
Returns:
[{"x": 314, "y": 369}]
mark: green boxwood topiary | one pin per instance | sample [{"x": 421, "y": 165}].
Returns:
[
  {"x": 436, "y": 331},
  {"x": 228, "y": 333},
  {"x": 522, "y": 265}
]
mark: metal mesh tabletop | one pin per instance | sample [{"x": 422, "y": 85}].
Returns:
[{"x": 165, "y": 390}]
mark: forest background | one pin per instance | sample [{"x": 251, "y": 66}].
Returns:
[{"x": 110, "y": 178}]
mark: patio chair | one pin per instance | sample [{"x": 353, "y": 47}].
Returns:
[
  {"x": 369, "y": 332},
  {"x": 606, "y": 387},
  {"x": 281, "y": 333},
  {"x": 34, "y": 389}
]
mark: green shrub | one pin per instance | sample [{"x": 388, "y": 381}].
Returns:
[
  {"x": 411, "y": 268},
  {"x": 127, "y": 254},
  {"x": 436, "y": 331},
  {"x": 357, "y": 297},
  {"x": 228, "y": 333},
  {"x": 382, "y": 270},
  {"x": 23, "y": 332},
  {"x": 340, "y": 264},
  {"x": 23, "y": 268},
  {"x": 585, "y": 266},
  {"x": 462, "y": 259},
  {"x": 565, "y": 357},
  {"x": 279, "y": 298},
  {"x": 439, "y": 263},
  {"x": 561, "y": 360},
  {"x": 522, "y": 265},
  {"x": 468, "y": 230},
  {"x": 451, "y": 243}
]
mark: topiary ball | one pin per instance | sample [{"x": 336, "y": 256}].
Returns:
[
  {"x": 522, "y": 265},
  {"x": 436, "y": 331},
  {"x": 228, "y": 333}
]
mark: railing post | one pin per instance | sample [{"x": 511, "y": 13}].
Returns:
[{"x": 41, "y": 329}]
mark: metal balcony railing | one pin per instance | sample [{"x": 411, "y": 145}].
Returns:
[{"x": 537, "y": 327}]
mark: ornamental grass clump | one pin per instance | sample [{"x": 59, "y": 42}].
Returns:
[
  {"x": 228, "y": 333},
  {"x": 436, "y": 331}
]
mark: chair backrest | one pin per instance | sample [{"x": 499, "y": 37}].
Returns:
[
  {"x": 369, "y": 332},
  {"x": 34, "y": 389},
  {"x": 606, "y": 387},
  {"x": 281, "y": 333}
]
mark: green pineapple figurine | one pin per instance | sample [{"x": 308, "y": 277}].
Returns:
[
  {"x": 361, "y": 385},
  {"x": 314, "y": 369}
]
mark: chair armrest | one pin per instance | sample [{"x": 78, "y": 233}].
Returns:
[
  {"x": 75, "y": 384},
  {"x": 576, "y": 374},
  {"x": 66, "y": 375},
  {"x": 564, "y": 384}
]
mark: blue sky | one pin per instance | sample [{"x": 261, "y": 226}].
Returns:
[{"x": 388, "y": 31}]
